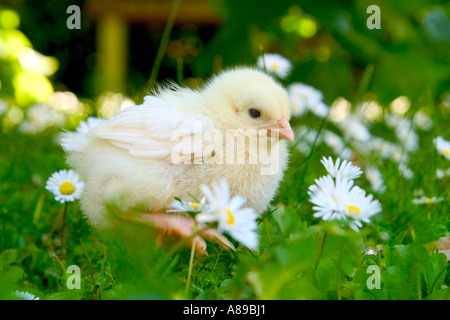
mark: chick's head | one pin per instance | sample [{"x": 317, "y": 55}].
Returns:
[{"x": 245, "y": 98}]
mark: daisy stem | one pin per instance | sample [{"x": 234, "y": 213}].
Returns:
[
  {"x": 419, "y": 287},
  {"x": 341, "y": 249},
  {"x": 191, "y": 259},
  {"x": 63, "y": 224},
  {"x": 322, "y": 245},
  {"x": 364, "y": 84},
  {"x": 164, "y": 41},
  {"x": 266, "y": 227},
  {"x": 180, "y": 73},
  {"x": 261, "y": 52}
]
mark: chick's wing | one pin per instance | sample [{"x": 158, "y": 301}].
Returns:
[{"x": 154, "y": 130}]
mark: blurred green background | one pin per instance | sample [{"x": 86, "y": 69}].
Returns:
[{"x": 327, "y": 41}]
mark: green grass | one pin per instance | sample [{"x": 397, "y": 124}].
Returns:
[{"x": 128, "y": 264}]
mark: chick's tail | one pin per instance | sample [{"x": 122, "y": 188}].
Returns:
[{"x": 73, "y": 141}]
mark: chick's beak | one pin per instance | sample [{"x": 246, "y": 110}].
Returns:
[{"x": 284, "y": 129}]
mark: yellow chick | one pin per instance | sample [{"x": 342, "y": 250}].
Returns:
[{"x": 145, "y": 155}]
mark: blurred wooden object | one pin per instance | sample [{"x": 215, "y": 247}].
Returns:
[
  {"x": 114, "y": 17},
  {"x": 112, "y": 53},
  {"x": 155, "y": 12}
]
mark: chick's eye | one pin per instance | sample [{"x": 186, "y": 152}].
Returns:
[{"x": 254, "y": 113}]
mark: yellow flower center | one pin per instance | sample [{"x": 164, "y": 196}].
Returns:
[
  {"x": 194, "y": 204},
  {"x": 428, "y": 200},
  {"x": 230, "y": 216},
  {"x": 275, "y": 66},
  {"x": 66, "y": 188},
  {"x": 353, "y": 208},
  {"x": 446, "y": 152}
]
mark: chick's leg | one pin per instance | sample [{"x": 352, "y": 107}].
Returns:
[{"x": 183, "y": 227}]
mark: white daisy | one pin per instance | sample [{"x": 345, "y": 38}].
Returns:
[
  {"x": 394, "y": 120},
  {"x": 86, "y": 126},
  {"x": 309, "y": 139},
  {"x": 185, "y": 206},
  {"x": 340, "y": 200},
  {"x": 298, "y": 106},
  {"x": 354, "y": 129},
  {"x": 375, "y": 178},
  {"x": 440, "y": 174},
  {"x": 333, "y": 140},
  {"x": 75, "y": 141},
  {"x": 337, "y": 145},
  {"x": 442, "y": 146},
  {"x": 360, "y": 207},
  {"x": 426, "y": 200},
  {"x": 326, "y": 194},
  {"x": 25, "y": 295},
  {"x": 422, "y": 121},
  {"x": 41, "y": 116},
  {"x": 405, "y": 171},
  {"x": 320, "y": 109},
  {"x": 65, "y": 185},
  {"x": 304, "y": 98},
  {"x": 408, "y": 138},
  {"x": 275, "y": 63},
  {"x": 240, "y": 223},
  {"x": 397, "y": 155},
  {"x": 380, "y": 147},
  {"x": 344, "y": 169}
]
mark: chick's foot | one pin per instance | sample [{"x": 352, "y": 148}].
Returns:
[{"x": 172, "y": 225}]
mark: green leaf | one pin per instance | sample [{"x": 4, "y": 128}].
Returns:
[
  {"x": 8, "y": 257},
  {"x": 13, "y": 274},
  {"x": 326, "y": 274}
]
